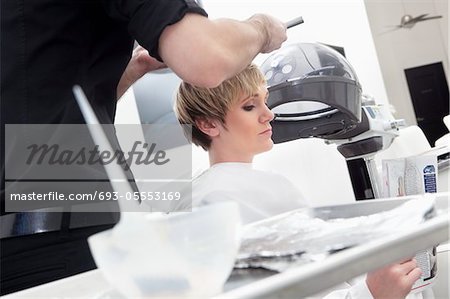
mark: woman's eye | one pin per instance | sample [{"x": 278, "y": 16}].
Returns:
[{"x": 248, "y": 107}]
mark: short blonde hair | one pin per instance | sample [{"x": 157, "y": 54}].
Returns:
[{"x": 193, "y": 103}]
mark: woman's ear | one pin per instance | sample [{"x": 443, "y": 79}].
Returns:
[{"x": 208, "y": 126}]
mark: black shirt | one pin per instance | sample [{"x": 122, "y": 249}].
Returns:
[{"x": 47, "y": 46}]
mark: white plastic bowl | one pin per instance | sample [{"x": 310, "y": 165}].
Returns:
[{"x": 189, "y": 254}]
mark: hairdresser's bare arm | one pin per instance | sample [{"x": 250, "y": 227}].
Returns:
[{"x": 205, "y": 52}]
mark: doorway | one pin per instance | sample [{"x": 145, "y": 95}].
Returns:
[{"x": 429, "y": 93}]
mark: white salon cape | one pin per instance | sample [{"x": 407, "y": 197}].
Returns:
[{"x": 262, "y": 194}]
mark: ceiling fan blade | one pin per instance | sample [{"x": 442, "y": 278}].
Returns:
[
  {"x": 418, "y": 18},
  {"x": 393, "y": 28},
  {"x": 430, "y": 18}
]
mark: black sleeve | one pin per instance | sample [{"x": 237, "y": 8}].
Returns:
[{"x": 148, "y": 18}]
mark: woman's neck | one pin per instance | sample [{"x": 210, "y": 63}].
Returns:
[{"x": 224, "y": 156}]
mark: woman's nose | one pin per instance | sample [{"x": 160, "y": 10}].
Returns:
[{"x": 267, "y": 115}]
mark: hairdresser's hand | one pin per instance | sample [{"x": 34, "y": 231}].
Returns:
[
  {"x": 273, "y": 31},
  {"x": 140, "y": 64},
  {"x": 394, "y": 281}
]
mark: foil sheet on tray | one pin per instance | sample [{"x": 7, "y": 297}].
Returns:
[{"x": 297, "y": 238}]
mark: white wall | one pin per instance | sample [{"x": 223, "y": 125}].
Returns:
[{"x": 425, "y": 43}]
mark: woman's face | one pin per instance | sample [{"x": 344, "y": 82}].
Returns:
[{"x": 247, "y": 130}]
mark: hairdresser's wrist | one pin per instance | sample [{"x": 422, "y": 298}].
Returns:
[
  {"x": 257, "y": 21},
  {"x": 271, "y": 31}
]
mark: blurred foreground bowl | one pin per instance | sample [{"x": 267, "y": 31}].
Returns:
[{"x": 185, "y": 254}]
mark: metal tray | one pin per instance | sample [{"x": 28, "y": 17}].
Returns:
[{"x": 312, "y": 278}]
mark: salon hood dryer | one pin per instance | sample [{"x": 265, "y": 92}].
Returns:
[{"x": 314, "y": 92}]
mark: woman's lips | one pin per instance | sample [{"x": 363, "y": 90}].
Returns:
[{"x": 267, "y": 132}]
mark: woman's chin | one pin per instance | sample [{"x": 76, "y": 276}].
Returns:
[{"x": 267, "y": 147}]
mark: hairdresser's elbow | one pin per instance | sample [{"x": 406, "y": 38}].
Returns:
[
  {"x": 207, "y": 80},
  {"x": 212, "y": 74}
]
